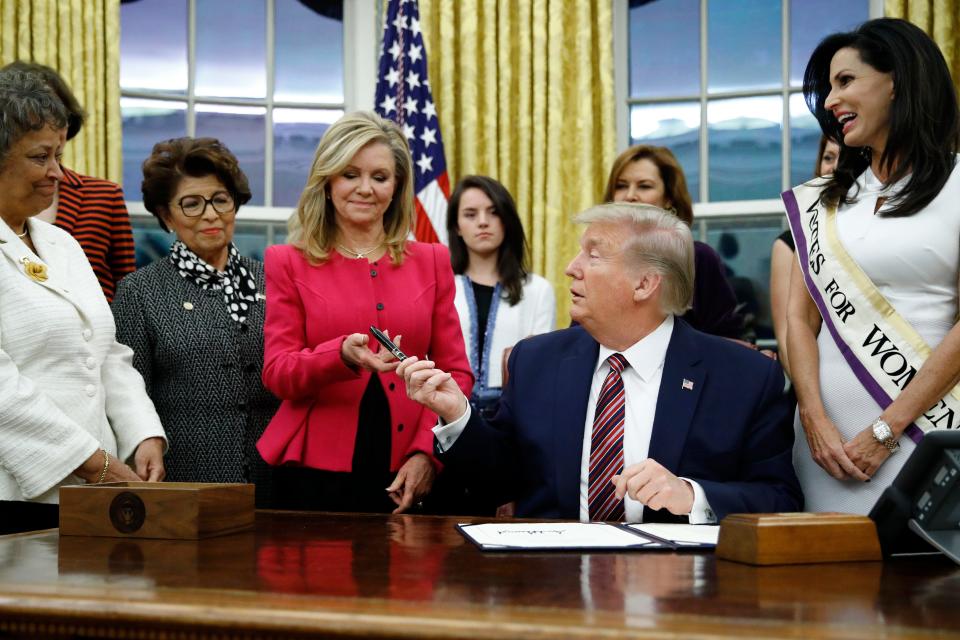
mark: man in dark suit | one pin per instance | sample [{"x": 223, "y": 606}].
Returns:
[{"x": 632, "y": 414}]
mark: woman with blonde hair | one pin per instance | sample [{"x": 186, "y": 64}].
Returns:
[{"x": 349, "y": 440}]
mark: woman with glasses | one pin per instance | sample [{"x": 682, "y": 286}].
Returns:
[{"x": 195, "y": 318}]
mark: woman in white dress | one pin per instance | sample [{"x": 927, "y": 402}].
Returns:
[
  {"x": 884, "y": 91},
  {"x": 499, "y": 301}
]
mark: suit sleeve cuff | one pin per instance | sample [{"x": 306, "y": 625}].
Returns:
[
  {"x": 700, "y": 513},
  {"x": 447, "y": 434}
]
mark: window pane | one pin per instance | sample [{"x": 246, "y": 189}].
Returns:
[
  {"x": 309, "y": 52},
  {"x": 812, "y": 20},
  {"x": 145, "y": 123},
  {"x": 153, "y": 45},
  {"x": 744, "y": 45},
  {"x": 296, "y": 133},
  {"x": 250, "y": 238},
  {"x": 231, "y": 48},
  {"x": 149, "y": 240},
  {"x": 804, "y": 140},
  {"x": 665, "y": 48},
  {"x": 242, "y": 130},
  {"x": 676, "y": 126},
  {"x": 744, "y": 245},
  {"x": 744, "y": 135}
]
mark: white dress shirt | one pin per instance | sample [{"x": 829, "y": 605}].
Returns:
[{"x": 641, "y": 383}]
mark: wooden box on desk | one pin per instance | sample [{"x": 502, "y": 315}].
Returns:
[
  {"x": 797, "y": 538},
  {"x": 177, "y": 510}
]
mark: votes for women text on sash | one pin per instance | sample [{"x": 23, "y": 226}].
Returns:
[{"x": 882, "y": 349}]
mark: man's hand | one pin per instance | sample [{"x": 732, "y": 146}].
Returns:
[
  {"x": 650, "y": 484},
  {"x": 433, "y": 388},
  {"x": 149, "y": 460}
]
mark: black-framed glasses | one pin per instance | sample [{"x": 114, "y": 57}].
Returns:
[{"x": 194, "y": 206}]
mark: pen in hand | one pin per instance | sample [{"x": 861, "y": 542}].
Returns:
[{"x": 388, "y": 343}]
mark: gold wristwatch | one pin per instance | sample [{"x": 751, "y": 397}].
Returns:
[{"x": 883, "y": 434}]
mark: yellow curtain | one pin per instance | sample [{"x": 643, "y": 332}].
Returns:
[
  {"x": 524, "y": 93},
  {"x": 81, "y": 40},
  {"x": 940, "y": 19}
]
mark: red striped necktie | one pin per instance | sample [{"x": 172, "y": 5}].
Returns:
[{"x": 606, "y": 445}]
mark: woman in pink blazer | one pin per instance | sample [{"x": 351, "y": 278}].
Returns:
[{"x": 347, "y": 435}]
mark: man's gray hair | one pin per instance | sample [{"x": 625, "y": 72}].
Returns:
[
  {"x": 26, "y": 104},
  {"x": 660, "y": 241}
]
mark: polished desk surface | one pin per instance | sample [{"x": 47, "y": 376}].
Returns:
[{"x": 340, "y": 575}]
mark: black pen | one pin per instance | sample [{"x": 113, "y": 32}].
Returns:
[{"x": 388, "y": 343}]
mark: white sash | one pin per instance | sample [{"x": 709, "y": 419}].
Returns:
[{"x": 882, "y": 349}]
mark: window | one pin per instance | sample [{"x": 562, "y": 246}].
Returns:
[
  {"x": 719, "y": 83},
  {"x": 266, "y": 77}
]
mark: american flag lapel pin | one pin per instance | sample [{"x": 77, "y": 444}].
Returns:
[{"x": 687, "y": 385}]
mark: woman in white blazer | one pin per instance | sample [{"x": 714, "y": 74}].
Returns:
[
  {"x": 72, "y": 407},
  {"x": 499, "y": 301}
]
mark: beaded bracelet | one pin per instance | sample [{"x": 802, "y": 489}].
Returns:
[{"x": 106, "y": 465}]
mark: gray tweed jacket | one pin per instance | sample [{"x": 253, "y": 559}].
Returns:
[{"x": 202, "y": 371}]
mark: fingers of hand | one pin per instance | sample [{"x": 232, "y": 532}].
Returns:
[
  {"x": 406, "y": 502},
  {"x": 640, "y": 478},
  {"x": 396, "y": 489},
  {"x": 620, "y": 480},
  {"x": 415, "y": 380},
  {"x": 849, "y": 468},
  {"x": 829, "y": 464},
  {"x": 405, "y": 366},
  {"x": 435, "y": 381}
]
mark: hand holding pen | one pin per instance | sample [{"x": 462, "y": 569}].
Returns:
[{"x": 356, "y": 353}]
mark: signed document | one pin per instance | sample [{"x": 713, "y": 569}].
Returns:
[
  {"x": 681, "y": 535},
  {"x": 510, "y": 536}
]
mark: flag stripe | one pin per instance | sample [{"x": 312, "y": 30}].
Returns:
[{"x": 403, "y": 95}]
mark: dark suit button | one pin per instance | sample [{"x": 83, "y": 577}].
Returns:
[
  {"x": 379, "y": 306},
  {"x": 242, "y": 406},
  {"x": 373, "y": 273},
  {"x": 244, "y": 328},
  {"x": 399, "y": 428},
  {"x": 250, "y": 368},
  {"x": 392, "y": 386}
]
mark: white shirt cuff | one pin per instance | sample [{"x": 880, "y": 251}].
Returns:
[
  {"x": 700, "y": 513},
  {"x": 447, "y": 434}
]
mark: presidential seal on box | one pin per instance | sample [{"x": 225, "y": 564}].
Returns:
[{"x": 174, "y": 510}]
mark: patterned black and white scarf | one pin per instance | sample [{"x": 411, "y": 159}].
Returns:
[{"x": 239, "y": 288}]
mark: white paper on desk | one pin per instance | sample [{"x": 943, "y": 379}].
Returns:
[
  {"x": 682, "y": 534},
  {"x": 554, "y": 535}
]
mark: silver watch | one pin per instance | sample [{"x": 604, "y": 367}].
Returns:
[{"x": 883, "y": 434}]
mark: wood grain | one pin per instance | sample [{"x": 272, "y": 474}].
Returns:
[
  {"x": 798, "y": 538},
  {"x": 178, "y": 510},
  {"x": 371, "y": 576}
]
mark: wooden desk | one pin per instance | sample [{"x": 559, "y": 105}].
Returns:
[{"x": 415, "y": 577}]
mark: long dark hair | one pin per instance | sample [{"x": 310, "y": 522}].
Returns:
[
  {"x": 512, "y": 256},
  {"x": 924, "y": 118}
]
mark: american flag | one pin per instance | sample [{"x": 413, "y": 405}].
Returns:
[{"x": 403, "y": 95}]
